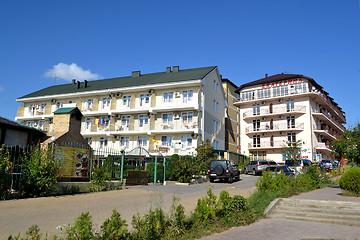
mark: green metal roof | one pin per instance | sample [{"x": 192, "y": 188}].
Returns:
[
  {"x": 64, "y": 110},
  {"x": 122, "y": 82}
]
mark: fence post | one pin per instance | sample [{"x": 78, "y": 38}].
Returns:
[
  {"x": 122, "y": 165},
  {"x": 91, "y": 163},
  {"x": 164, "y": 170},
  {"x": 155, "y": 170}
]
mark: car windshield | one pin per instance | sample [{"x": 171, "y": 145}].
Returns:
[
  {"x": 217, "y": 163},
  {"x": 291, "y": 163},
  {"x": 284, "y": 168},
  {"x": 263, "y": 163},
  {"x": 326, "y": 161},
  {"x": 271, "y": 169},
  {"x": 272, "y": 163}
]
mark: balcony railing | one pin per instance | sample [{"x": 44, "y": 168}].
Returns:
[
  {"x": 277, "y": 127},
  {"x": 267, "y": 144},
  {"x": 323, "y": 146},
  {"x": 275, "y": 110}
]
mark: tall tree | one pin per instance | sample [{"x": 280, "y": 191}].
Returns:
[
  {"x": 348, "y": 145},
  {"x": 292, "y": 151}
]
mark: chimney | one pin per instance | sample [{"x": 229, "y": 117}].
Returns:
[
  {"x": 85, "y": 83},
  {"x": 74, "y": 81},
  {"x": 78, "y": 85},
  {"x": 168, "y": 69},
  {"x": 175, "y": 68},
  {"x": 266, "y": 75},
  {"x": 136, "y": 74}
]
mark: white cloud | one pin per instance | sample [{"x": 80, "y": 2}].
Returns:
[
  {"x": 1, "y": 88},
  {"x": 69, "y": 72}
]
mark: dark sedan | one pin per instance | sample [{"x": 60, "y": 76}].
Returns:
[{"x": 281, "y": 170}]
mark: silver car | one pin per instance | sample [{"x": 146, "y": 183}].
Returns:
[{"x": 256, "y": 167}]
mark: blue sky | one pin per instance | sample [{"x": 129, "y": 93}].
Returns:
[{"x": 245, "y": 39}]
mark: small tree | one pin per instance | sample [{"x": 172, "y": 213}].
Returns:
[
  {"x": 205, "y": 152},
  {"x": 292, "y": 151},
  {"x": 348, "y": 145}
]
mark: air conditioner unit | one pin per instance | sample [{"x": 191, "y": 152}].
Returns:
[
  {"x": 264, "y": 118},
  {"x": 177, "y": 116},
  {"x": 264, "y": 134},
  {"x": 193, "y": 135},
  {"x": 53, "y": 100},
  {"x": 35, "y": 124},
  {"x": 281, "y": 117},
  {"x": 116, "y": 137},
  {"x": 111, "y": 95},
  {"x": 118, "y": 116},
  {"x": 119, "y": 94},
  {"x": 177, "y": 94},
  {"x": 151, "y": 91},
  {"x": 263, "y": 102},
  {"x": 281, "y": 133},
  {"x": 280, "y": 100}
]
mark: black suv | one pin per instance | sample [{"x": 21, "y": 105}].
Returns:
[{"x": 223, "y": 170}]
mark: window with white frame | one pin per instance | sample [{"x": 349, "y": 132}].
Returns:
[
  {"x": 216, "y": 144},
  {"x": 106, "y": 103},
  {"x": 142, "y": 140},
  {"x": 42, "y": 107},
  {"x": 144, "y": 99},
  {"x": 166, "y": 140},
  {"x": 168, "y": 97},
  {"x": 88, "y": 123},
  {"x": 290, "y": 105},
  {"x": 126, "y": 101},
  {"x": 186, "y": 141},
  {"x": 247, "y": 95},
  {"x": 263, "y": 93},
  {"x": 59, "y": 105},
  {"x": 300, "y": 87},
  {"x": 41, "y": 124},
  {"x": 216, "y": 126},
  {"x": 125, "y": 120},
  {"x": 187, "y": 96},
  {"x": 103, "y": 142},
  {"x": 216, "y": 86},
  {"x": 89, "y": 104},
  {"x": 143, "y": 120},
  {"x": 167, "y": 118},
  {"x": 256, "y": 109},
  {"x": 31, "y": 108},
  {"x": 280, "y": 91},
  {"x": 187, "y": 118},
  {"x": 30, "y": 123},
  {"x": 256, "y": 140},
  {"x": 124, "y": 141},
  {"x": 256, "y": 125},
  {"x": 216, "y": 105},
  {"x": 290, "y": 122}
]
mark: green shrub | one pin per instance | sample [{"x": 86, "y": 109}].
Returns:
[
  {"x": 183, "y": 169},
  {"x": 350, "y": 180},
  {"x": 70, "y": 189},
  {"x": 205, "y": 209},
  {"x": 41, "y": 172},
  {"x": 5, "y": 177},
  {"x": 152, "y": 226},
  {"x": 82, "y": 228},
  {"x": 150, "y": 168},
  {"x": 114, "y": 227}
]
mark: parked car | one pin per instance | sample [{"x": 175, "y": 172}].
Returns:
[
  {"x": 256, "y": 167},
  {"x": 223, "y": 170},
  {"x": 328, "y": 165},
  {"x": 273, "y": 163},
  {"x": 281, "y": 170},
  {"x": 301, "y": 165}
]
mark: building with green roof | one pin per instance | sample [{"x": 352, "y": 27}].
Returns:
[{"x": 166, "y": 112}]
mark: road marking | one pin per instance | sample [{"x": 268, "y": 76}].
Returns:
[{"x": 231, "y": 187}]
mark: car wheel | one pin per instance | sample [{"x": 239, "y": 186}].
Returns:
[
  {"x": 212, "y": 180},
  {"x": 246, "y": 172},
  {"x": 231, "y": 179}
]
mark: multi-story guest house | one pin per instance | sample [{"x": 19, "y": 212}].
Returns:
[
  {"x": 168, "y": 112},
  {"x": 287, "y": 108}
]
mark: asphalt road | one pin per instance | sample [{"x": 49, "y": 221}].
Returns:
[{"x": 49, "y": 212}]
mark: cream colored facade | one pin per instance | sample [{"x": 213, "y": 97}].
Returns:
[
  {"x": 287, "y": 107},
  {"x": 167, "y": 118}
]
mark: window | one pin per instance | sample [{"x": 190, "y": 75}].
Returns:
[
  {"x": 258, "y": 156},
  {"x": 124, "y": 142},
  {"x": 30, "y": 123},
  {"x": 280, "y": 91},
  {"x": 143, "y": 120},
  {"x": 42, "y": 107},
  {"x": 103, "y": 121},
  {"x": 103, "y": 142},
  {"x": 88, "y": 123},
  {"x": 168, "y": 97},
  {"x": 125, "y": 120},
  {"x": 216, "y": 105},
  {"x": 299, "y": 87},
  {"x": 187, "y": 117},
  {"x": 263, "y": 93},
  {"x": 256, "y": 141},
  {"x": 291, "y": 137},
  {"x": 166, "y": 140},
  {"x": 290, "y": 106},
  {"x": 126, "y": 101},
  {"x": 186, "y": 141},
  {"x": 290, "y": 122},
  {"x": 106, "y": 103},
  {"x": 187, "y": 96},
  {"x": 59, "y": 105},
  {"x": 216, "y": 86},
  {"x": 248, "y": 95},
  {"x": 89, "y": 104},
  {"x": 41, "y": 125},
  {"x": 167, "y": 118},
  {"x": 256, "y": 125},
  {"x": 142, "y": 140},
  {"x": 144, "y": 99},
  {"x": 216, "y": 144},
  {"x": 216, "y": 126},
  {"x": 256, "y": 109}
]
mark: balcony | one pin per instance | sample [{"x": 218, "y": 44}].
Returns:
[
  {"x": 275, "y": 128},
  {"x": 329, "y": 120},
  {"x": 326, "y": 132},
  {"x": 275, "y": 112},
  {"x": 264, "y": 145},
  {"x": 323, "y": 147}
]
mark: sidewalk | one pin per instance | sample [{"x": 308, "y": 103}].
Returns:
[{"x": 274, "y": 229}]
